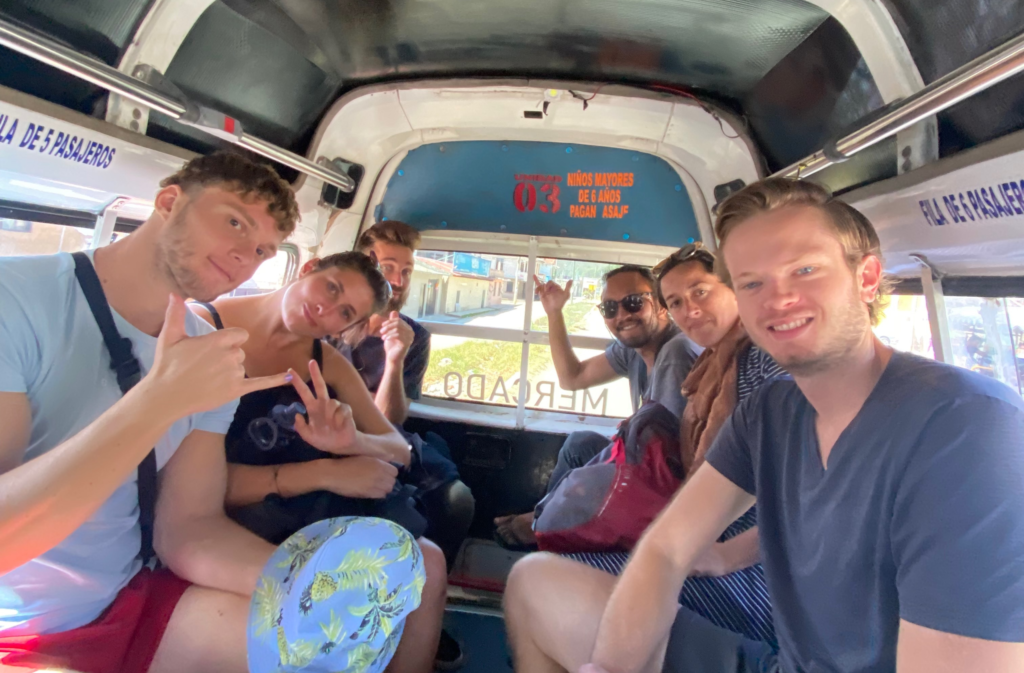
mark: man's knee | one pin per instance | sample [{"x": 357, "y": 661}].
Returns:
[
  {"x": 581, "y": 446},
  {"x": 530, "y": 580}
]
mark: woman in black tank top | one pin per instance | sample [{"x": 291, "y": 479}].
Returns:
[{"x": 284, "y": 471}]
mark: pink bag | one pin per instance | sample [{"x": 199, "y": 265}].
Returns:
[{"x": 608, "y": 503}]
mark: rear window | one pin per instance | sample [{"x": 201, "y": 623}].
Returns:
[{"x": 475, "y": 306}]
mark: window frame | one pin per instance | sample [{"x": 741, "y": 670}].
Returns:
[
  {"x": 520, "y": 417},
  {"x": 935, "y": 287}
]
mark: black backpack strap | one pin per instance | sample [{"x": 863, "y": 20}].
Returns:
[
  {"x": 318, "y": 354},
  {"x": 122, "y": 359},
  {"x": 129, "y": 372},
  {"x": 217, "y": 322}
]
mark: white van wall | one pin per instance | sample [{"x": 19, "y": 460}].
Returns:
[{"x": 52, "y": 156}]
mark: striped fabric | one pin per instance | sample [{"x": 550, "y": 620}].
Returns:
[{"x": 738, "y": 602}]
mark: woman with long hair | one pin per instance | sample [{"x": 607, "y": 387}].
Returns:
[{"x": 320, "y": 448}]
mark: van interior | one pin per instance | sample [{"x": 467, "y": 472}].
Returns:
[{"x": 557, "y": 138}]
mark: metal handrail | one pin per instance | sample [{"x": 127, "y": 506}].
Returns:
[
  {"x": 89, "y": 69},
  {"x": 983, "y": 72},
  {"x": 102, "y": 75}
]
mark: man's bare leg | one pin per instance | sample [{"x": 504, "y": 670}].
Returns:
[
  {"x": 553, "y": 608},
  {"x": 418, "y": 647},
  {"x": 206, "y": 633}
]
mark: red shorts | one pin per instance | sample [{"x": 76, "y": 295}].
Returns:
[{"x": 123, "y": 639}]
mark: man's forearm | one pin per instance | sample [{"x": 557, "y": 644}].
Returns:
[
  {"x": 567, "y": 365},
  {"x": 215, "y": 552},
  {"x": 640, "y": 611},
  {"x": 740, "y": 552},
  {"x": 46, "y": 499},
  {"x": 390, "y": 398}
]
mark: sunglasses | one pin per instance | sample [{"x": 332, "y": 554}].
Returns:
[
  {"x": 631, "y": 303},
  {"x": 690, "y": 251}
]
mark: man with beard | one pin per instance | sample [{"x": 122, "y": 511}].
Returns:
[
  {"x": 392, "y": 351},
  {"x": 648, "y": 349},
  {"x": 73, "y": 590},
  {"x": 889, "y": 487}
]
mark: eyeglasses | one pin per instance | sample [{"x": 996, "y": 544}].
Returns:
[
  {"x": 631, "y": 303},
  {"x": 690, "y": 251}
]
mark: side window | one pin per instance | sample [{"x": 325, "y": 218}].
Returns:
[
  {"x": 21, "y": 237},
  {"x": 905, "y": 326},
  {"x": 272, "y": 274},
  {"x": 475, "y": 306},
  {"x": 986, "y": 335},
  {"x": 983, "y": 338}
]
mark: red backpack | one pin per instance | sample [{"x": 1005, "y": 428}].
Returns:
[{"x": 608, "y": 503}]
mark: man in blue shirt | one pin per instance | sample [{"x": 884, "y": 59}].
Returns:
[
  {"x": 890, "y": 488},
  {"x": 72, "y": 588}
]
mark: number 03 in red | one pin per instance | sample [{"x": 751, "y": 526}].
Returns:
[{"x": 525, "y": 197}]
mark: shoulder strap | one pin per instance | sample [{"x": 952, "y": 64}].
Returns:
[
  {"x": 218, "y": 323},
  {"x": 128, "y": 370},
  {"x": 318, "y": 354},
  {"x": 122, "y": 359}
]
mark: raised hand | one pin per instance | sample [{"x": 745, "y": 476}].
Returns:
[
  {"x": 552, "y": 297},
  {"x": 357, "y": 477},
  {"x": 196, "y": 374},
  {"x": 397, "y": 336},
  {"x": 330, "y": 426}
]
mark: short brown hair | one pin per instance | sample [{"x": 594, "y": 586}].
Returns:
[
  {"x": 243, "y": 176},
  {"x": 642, "y": 271},
  {"x": 855, "y": 232},
  {"x": 389, "y": 231}
]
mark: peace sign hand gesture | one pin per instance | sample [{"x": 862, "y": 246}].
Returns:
[{"x": 330, "y": 426}]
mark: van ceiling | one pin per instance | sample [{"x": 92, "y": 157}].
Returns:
[{"x": 784, "y": 66}]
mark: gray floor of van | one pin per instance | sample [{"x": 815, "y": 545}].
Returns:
[
  {"x": 474, "y": 605},
  {"x": 483, "y": 641}
]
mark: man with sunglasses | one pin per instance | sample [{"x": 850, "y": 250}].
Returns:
[
  {"x": 648, "y": 349},
  {"x": 643, "y": 333}
]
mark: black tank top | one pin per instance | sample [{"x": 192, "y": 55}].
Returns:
[{"x": 262, "y": 432}]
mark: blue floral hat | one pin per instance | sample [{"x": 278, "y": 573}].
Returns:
[{"x": 334, "y": 597}]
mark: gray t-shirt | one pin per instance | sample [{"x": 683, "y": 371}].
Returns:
[
  {"x": 919, "y": 516},
  {"x": 665, "y": 382}
]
